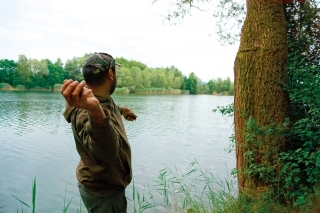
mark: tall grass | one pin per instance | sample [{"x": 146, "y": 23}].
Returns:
[
  {"x": 140, "y": 202},
  {"x": 201, "y": 191},
  {"x": 193, "y": 191},
  {"x": 66, "y": 206},
  {"x": 33, "y": 201}
]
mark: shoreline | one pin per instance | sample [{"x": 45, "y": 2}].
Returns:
[{"x": 125, "y": 91}]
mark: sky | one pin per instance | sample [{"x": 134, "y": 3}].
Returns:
[{"x": 133, "y": 29}]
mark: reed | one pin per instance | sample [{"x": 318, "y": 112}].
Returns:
[
  {"x": 33, "y": 200},
  {"x": 201, "y": 191},
  {"x": 193, "y": 191},
  {"x": 140, "y": 202},
  {"x": 66, "y": 206}
]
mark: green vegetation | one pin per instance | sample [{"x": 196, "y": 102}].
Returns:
[
  {"x": 293, "y": 177},
  {"x": 4, "y": 86},
  {"x": 34, "y": 192},
  {"x": 276, "y": 113},
  {"x": 32, "y": 207},
  {"x": 133, "y": 76},
  {"x": 195, "y": 191}
]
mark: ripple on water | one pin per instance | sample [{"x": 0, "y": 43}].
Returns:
[{"x": 170, "y": 132}]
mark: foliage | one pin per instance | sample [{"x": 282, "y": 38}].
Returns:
[
  {"x": 140, "y": 202},
  {"x": 298, "y": 178},
  {"x": 7, "y": 68},
  {"x": 132, "y": 75},
  {"x": 225, "y": 110},
  {"x": 4, "y": 86},
  {"x": 73, "y": 68},
  {"x": 192, "y": 83},
  {"x": 196, "y": 190},
  {"x": 199, "y": 191},
  {"x": 220, "y": 86},
  {"x": 302, "y": 158}
]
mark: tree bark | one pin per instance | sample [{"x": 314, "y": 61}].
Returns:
[{"x": 260, "y": 72}]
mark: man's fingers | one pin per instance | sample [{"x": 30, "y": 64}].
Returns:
[
  {"x": 72, "y": 91},
  {"x": 86, "y": 92},
  {"x": 65, "y": 85},
  {"x": 77, "y": 92},
  {"x": 67, "y": 93},
  {"x": 131, "y": 117}
]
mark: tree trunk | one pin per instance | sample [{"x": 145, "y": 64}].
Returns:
[{"x": 260, "y": 72}]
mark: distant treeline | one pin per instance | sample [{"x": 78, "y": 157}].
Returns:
[{"x": 133, "y": 75}]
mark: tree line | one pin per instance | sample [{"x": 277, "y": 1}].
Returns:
[{"x": 133, "y": 75}]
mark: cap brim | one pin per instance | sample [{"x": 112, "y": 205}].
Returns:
[{"x": 119, "y": 65}]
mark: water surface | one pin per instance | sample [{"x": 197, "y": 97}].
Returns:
[{"x": 170, "y": 131}]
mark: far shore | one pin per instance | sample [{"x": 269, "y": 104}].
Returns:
[{"x": 151, "y": 91}]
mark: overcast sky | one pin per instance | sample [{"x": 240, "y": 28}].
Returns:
[{"x": 131, "y": 29}]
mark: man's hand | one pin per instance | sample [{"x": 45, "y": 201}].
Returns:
[
  {"x": 79, "y": 96},
  {"x": 128, "y": 114}
]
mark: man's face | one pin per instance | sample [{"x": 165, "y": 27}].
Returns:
[{"x": 113, "y": 84}]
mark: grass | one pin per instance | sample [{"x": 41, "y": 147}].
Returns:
[
  {"x": 200, "y": 191},
  {"x": 193, "y": 191},
  {"x": 33, "y": 201},
  {"x": 34, "y": 189}
]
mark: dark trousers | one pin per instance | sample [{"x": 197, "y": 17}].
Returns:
[{"x": 103, "y": 202}]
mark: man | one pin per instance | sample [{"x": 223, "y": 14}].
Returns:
[{"x": 104, "y": 170}]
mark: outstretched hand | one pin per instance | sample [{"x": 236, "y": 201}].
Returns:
[
  {"x": 128, "y": 114},
  {"x": 79, "y": 96}
]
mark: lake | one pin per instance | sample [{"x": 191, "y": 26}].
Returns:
[{"x": 170, "y": 131}]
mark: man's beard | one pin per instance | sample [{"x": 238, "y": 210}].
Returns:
[{"x": 113, "y": 86}]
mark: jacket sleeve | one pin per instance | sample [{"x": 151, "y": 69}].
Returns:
[
  {"x": 120, "y": 109},
  {"x": 101, "y": 141}
]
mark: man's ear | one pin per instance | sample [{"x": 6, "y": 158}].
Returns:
[{"x": 110, "y": 74}]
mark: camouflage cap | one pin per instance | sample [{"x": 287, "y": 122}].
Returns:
[{"x": 98, "y": 62}]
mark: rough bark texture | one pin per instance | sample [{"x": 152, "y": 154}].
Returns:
[{"x": 260, "y": 75}]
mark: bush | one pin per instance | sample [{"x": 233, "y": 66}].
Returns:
[{"x": 4, "y": 86}]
